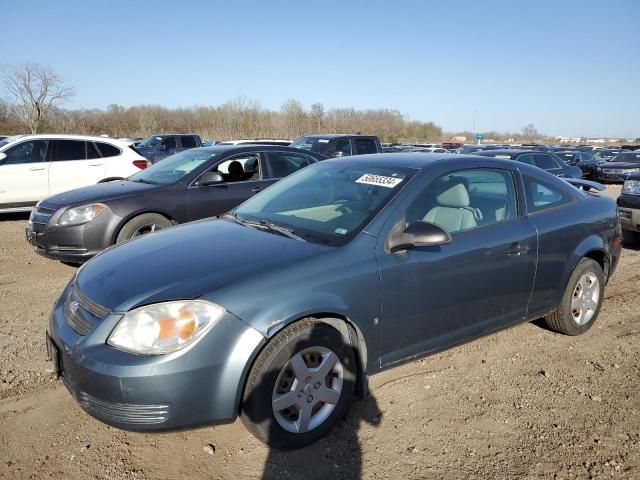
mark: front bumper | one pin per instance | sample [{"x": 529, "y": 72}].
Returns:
[
  {"x": 73, "y": 244},
  {"x": 200, "y": 385},
  {"x": 629, "y": 212},
  {"x": 609, "y": 177}
]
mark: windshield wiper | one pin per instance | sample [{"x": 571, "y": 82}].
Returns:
[
  {"x": 142, "y": 180},
  {"x": 264, "y": 225}
]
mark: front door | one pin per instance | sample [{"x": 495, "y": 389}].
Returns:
[
  {"x": 24, "y": 174},
  {"x": 433, "y": 297}
]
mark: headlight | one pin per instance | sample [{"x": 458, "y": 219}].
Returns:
[
  {"x": 632, "y": 187},
  {"x": 164, "y": 327},
  {"x": 627, "y": 171},
  {"x": 83, "y": 214}
]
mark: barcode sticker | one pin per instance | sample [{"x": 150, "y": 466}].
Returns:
[{"x": 380, "y": 180}]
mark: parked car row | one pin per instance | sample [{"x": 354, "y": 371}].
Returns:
[
  {"x": 190, "y": 185},
  {"x": 275, "y": 304}
]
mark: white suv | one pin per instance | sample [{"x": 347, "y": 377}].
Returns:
[{"x": 33, "y": 167}]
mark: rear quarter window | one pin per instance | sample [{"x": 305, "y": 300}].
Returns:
[
  {"x": 107, "y": 150},
  {"x": 188, "y": 142},
  {"x": 366, "y": 145},
  {"x": 542, "y": 195}
]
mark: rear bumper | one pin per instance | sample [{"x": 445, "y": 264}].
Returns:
[{"x": 200, "y": 385}]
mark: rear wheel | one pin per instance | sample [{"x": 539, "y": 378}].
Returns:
[
  {"x": 300, "y": 385},
  {"x": 143, "y": 224},
  {"x": 581, "y": 301}
]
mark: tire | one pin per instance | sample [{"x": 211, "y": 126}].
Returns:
[
  {"x": 630, "y": 238},
  {"x": 581, "y": 301},
  {"x": 273, "y": 377},
  {"x": 142, "y": 224}
]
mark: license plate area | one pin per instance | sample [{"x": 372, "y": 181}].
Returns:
[{"x": 53, "y": 355}]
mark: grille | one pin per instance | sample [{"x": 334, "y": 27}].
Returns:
[
  {"x": 39, "y": 218},
  {"x": 91, "y": 306},
  {"x": 82, "y": 314},
  {"x": 123, "y": 412}
]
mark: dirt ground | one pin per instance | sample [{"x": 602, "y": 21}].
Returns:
[{"x": 524, "y": 403}]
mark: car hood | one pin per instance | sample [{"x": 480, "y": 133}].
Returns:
[
  {"x": 185, "y": 262},
  {"x": 621, "y": 165},
  {"x": 98, "y": 192}
]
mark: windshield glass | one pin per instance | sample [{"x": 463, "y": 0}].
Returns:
[
  {"x": 327, "y": 202},
  {"x": 173, "y": 168},
  {"x": 150, "y": 142},
  {"x": 4, "y": 142},
  {"x": 626, "y": 157},
  {"x": 311, "y": 144}
]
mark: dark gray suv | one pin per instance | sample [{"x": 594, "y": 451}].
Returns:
[{"x": 339, "y": 145}]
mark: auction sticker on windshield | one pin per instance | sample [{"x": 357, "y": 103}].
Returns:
[{"x": 380, "y": 180}]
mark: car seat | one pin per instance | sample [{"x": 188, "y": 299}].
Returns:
[
  {"x": 236, "y": 172},
  {"x": 453, "y": 210}
]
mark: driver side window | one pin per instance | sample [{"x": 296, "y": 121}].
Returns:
[
  {"x": 34, "y": 151},
  {"x": 240, "y": 169},
  {"x": 466, "y": 199}
]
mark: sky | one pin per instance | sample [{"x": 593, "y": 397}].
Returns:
[{"x": 570, "y": 67}]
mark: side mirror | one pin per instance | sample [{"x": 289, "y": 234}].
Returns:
[
  {"x": 210, "y": 178},
  {"x": 162, "y": 148},
  {"x": 3, "y": 157},
  {"x": 418, "y": 234}
]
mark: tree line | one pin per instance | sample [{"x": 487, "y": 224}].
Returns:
[{"x": 34, "y": 95}]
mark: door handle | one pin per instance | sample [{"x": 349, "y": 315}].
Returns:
[
  {"x": 35, "y": 169},
  {"x": 95, "y": 164},
  {"x": 517, "y": 249},
  {"x": 256, "y": 189}
]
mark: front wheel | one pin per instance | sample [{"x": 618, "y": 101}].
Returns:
[
  {"x": 300, "y": 385},
  {"x": 141, "y": 225},
  {"x": 581, "y": 301}
]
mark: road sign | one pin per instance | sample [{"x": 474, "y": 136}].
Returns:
[{"x": 479, "y": 136}]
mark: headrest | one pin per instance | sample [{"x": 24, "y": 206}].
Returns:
[
  {"x": 235, "y": 168},
  {"x": 452, "y": 192}
]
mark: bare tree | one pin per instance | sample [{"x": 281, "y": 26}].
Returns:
[
  {"x": 530, "y": 133},
  {"x": 34, "y": 90}
]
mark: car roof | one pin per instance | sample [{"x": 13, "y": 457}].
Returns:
[
  {"x": 255, "y": 147},
  {"x": 62, "y": 136},
  {"x": 507, "y": 151},
  {"x": 336, "y": 135},
  {"x": 173, "y": 135},
  {"x": 415, "y": 160}
]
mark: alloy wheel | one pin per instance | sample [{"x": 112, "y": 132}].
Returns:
[{"x": 307, "y": 389}]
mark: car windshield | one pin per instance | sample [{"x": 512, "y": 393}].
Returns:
[
  {"x": 172, "y": 168},
  {"x": 326, "y": 203},
  {"x": 626, "y": 157},
  {"x": 150, "y": 142},
  {"x": 3, "y": 142},
  {"x": 312, "y": 144}
]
